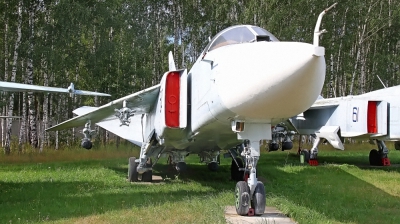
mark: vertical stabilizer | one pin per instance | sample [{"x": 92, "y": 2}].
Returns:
[{"x": 171, "y": 62}]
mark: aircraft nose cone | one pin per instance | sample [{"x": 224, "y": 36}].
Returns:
[{"x": 266, "y": 80}]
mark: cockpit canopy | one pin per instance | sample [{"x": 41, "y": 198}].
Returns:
[{"x": 238, "y": 35}]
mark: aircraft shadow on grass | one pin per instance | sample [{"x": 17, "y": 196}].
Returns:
[{"x": 195, "y": 172}]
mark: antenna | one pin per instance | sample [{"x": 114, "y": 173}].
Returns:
[{"x": 381, "y": 81}]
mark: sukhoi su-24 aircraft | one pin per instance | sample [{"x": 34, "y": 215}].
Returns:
[{"x": 243, "y": 82}]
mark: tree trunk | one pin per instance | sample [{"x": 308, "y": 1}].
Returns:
[
  {"x": 6, "y": 55},
  {"x": 7, "y": 148},
  {"x": 22, "y": 130},
  {"x": 29, "y": 75}
]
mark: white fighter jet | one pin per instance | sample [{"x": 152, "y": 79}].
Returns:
[
  {"x": 374, "y": 116},
  {"x": 19, "y": 87},
  {"x": 244, "y": 80}
]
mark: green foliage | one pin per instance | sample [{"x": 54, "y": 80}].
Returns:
[{"x": 121, "y": 46}]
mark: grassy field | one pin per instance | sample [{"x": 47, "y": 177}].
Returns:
[{"x": 91, "y": 187}]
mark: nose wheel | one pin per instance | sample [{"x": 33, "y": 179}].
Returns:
[
  {"x": 242, "y": 196},
  {"x": 247, "y": 204}
]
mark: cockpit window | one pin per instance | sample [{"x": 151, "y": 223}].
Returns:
[
  {"x": 237, "y": 35},
  {"x": 233, "y": 36}
]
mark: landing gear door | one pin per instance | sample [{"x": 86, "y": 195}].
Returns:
[{"x": 378, "y": 110}]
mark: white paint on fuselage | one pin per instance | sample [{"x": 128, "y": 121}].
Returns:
[
  {"x": 256, "y": 82},
  {"x": 267, "y": 80}
]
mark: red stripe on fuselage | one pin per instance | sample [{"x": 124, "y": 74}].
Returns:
[
  {"x": 172, "y": 99},
  {"x": 372, "y": 117}
]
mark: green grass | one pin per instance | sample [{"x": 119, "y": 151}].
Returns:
[{"x": 91, "y": 187}]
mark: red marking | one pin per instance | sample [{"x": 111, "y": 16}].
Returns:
[
  {"x": 372, "y": 117},
  {"x": 385, "y": 162},
  {"x": 251, "y": 212},
  {"x": 172, "y": 90},
  {"x": 313, "y": 162}
]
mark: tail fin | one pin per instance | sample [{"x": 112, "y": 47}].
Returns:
[{"x": 171, "y": 62}]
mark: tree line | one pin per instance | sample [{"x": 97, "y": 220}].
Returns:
[{"x": 121, "y": 46}]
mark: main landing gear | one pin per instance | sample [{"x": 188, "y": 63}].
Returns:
[
  {"x": 379, "y": 157},
  {"x": 310, "y": 156},
  {"x": 143, "y": 165},
  {"x": 133, "y": 174},
  {"x": 249, "y": 192}
]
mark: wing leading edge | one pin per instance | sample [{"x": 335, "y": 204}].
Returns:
[
  {"x": 19, "y": 87},
  {"x": 141, "y": 102}
]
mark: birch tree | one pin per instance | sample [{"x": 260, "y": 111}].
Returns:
[{"x": 7, "y": 148}]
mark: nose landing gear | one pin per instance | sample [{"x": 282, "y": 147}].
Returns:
[{"x": 249, "y": 192}]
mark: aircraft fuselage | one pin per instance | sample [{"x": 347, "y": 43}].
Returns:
[{"x": 251, "y": 82}]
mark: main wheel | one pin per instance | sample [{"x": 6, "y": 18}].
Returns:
[
  {"x": 273, "y": 147},
  {"x": 148, "y": 175},
  {"x": 306, "y": 154},
  {"x": 397, "y": 145},
  {"x": 181, "y": 167},
  {"x": 236, "y": 174},
  {"x": 374, "y": 158},
  {"x": 213, "y": 166},
  {"x": 132, "y": 170},
  {"x": 242, "y": 197},
  {"x": 258, "y": 201}
]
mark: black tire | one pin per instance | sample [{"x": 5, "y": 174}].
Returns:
[
  {"x": 213, "y": 166},
  {"x": 181, "y": 167},
  {"x": 397, "y": 145},
  {"x": 147, "y": 176},
  {"x": 236, "y": 174},
  {"x": 273, "y": 147},
  {"x": 306, "y": 154},
  {"x": 242, "y": 198},
  {"x": 258, "y": 200},
  {"x": 132, "y": 170},
  {"x": 374, "y": 158}
]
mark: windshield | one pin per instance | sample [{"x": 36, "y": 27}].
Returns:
[
  {"x": 237, "y": 35},
  {"x": 233, "y": 36}
]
